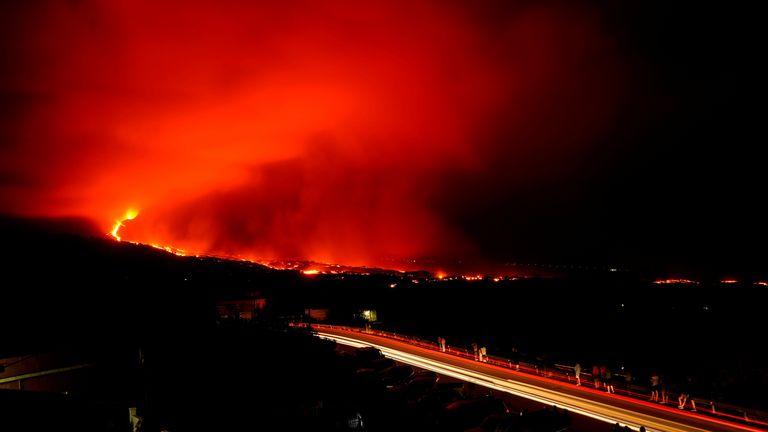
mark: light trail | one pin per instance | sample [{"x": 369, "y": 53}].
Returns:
[{"x": 580, "y": 405}]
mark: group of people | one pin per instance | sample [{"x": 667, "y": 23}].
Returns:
[
  {"x": 480, "y": 352},
  {"x": 603, "y": 379},
  {"x": 602, "y": 376},
  {"x": 659, "y": 392}
]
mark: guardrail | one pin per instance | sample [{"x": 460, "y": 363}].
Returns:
[
  {"x": 566, "y": 373},
  {"x": 38, "y": 374}
]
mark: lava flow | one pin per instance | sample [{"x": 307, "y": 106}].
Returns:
[
  {"x": 341, "y": 132},
  {"x": 129, "y": 215}
]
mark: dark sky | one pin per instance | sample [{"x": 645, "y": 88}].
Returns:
[{"x": 593, "y": 132}]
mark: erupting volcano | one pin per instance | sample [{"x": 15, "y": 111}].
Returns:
[{"x": 341, "y": 132}]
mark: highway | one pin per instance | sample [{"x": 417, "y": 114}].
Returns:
[{"x": 611, "y": 408}]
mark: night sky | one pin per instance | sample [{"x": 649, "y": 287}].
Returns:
[{"x": 589, "y": 132}]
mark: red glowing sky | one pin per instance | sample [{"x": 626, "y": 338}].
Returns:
[{"x": 337, "y": 131}]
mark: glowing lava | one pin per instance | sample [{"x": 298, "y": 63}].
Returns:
[
  {"x": 130, "y": 214},
  {"x": 334, "y": 132}
]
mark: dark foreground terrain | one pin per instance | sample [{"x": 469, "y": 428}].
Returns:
[{"x": 147, "y": 330}]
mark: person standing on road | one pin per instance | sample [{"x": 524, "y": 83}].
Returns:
[
  {"x": 577, "y": 373},
  {"x": 596, "y": 375},
  {"x": 441, "y": 343},
  {"x": 655, "y": 384},
  {"x": 608, "y": 377},
  {"x": 627, "y": 379},
  {"x": 685, "y": 395},
  {"x": 516, "y": 358},
  {"x": 663, "y": 389}
]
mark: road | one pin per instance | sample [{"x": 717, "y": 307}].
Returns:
[{"x": 597, "y": 404}]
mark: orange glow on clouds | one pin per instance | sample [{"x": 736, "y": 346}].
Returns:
[{"x": 308, "y": 130}]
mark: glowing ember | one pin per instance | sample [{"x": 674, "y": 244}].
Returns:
[
  {"x": 675, "y": 281},
  {"x": 169, "y": 249}
]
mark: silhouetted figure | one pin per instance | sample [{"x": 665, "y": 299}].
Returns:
[
  {"x": 627, "y": 379},
  {"x": 608, "y": 377},
  {"x": 685, "y": 395},
  {"x": 663, "y": 388},
  {"x": 516, "y": 358},
  {"x": 577, "y": 373},
  {"x": 475, "y": 350},
  {"x": 596, "y": 375},
  {"x": 541, "y": 364},
  {"x": 601, "y": 370},
  {"x": 655, "y": 386}
]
